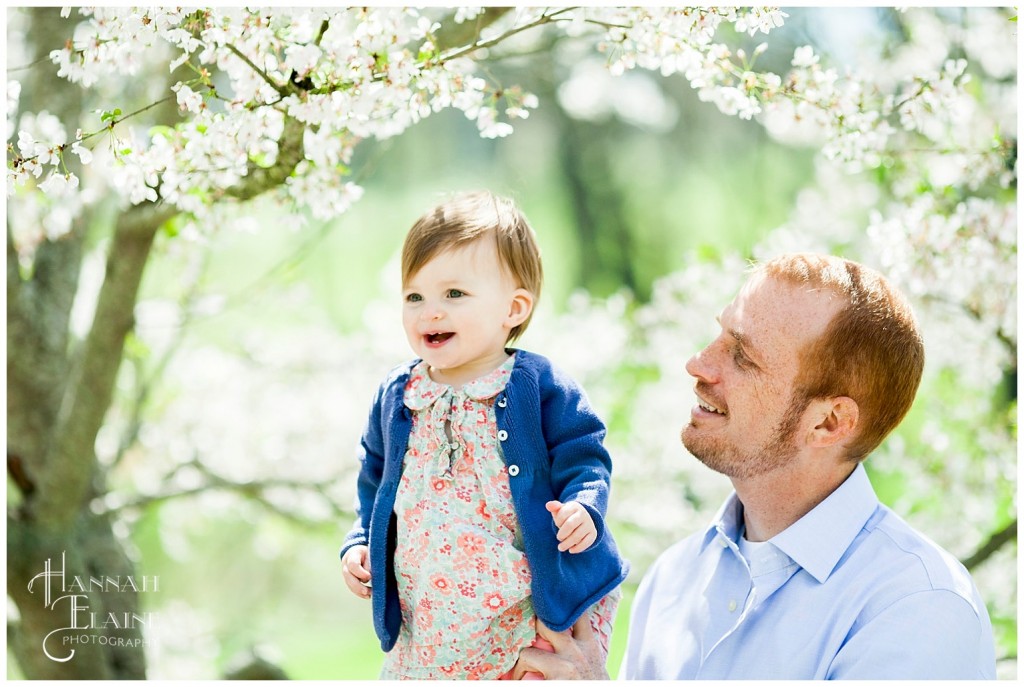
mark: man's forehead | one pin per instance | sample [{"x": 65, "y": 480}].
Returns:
[{"x": 774, "y": 315}]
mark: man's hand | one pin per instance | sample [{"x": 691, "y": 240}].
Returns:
[
  {"x": 576, "y": 529},
  {"x": 355, "y": 566},
  {"x": 577, "y": 654}
]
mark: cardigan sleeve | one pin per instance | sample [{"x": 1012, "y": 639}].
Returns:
[
  {"x": 371, "y": 470},
  {"x": 580, "y": 464}
]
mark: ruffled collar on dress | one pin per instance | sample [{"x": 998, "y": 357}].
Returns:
[{"x": 421, "y": 391}]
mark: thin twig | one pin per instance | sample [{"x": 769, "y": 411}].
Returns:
[
  {"x": 320, "y": 34},
  {"x": 44, "y": 58},
  {"x": 266, "y": 77},
  {"x": 540, "y": 21},
  {"x": 255, "y": 490},
  {"x": 113, "y": 123}
]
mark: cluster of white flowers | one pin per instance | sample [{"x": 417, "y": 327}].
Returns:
[
  {"x": 962, "y": 260},
  {"x": 681, "y": 40},
  {"x": 867, "y": 117},
  {"x": 346, "y": 76},
  {"x": 42, "y": 143}
]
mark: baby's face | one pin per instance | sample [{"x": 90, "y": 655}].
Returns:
[{"x": 458, "y": 310}]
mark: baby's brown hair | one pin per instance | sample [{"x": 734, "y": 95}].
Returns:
[{"x": 469, "y": 217}]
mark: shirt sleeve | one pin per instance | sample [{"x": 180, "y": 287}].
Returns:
[{"x": 930, "y": 635}]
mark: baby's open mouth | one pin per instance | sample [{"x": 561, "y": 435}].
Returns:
[{"x": 439, "y": 337}]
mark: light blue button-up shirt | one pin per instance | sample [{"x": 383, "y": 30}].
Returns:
[{"x": 848, "y": 591}]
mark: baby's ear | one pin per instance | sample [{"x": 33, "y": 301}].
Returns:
[{"x": 520, "y": 308}]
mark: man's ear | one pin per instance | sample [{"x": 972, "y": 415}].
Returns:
[
  {"x": 520, "y": 308},
  {"x": 835, "y": 420}
]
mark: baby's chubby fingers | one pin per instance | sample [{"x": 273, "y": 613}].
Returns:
[
  {"x": 355, "y": 568},
  {"x": 579, "y": 542},
  {"x": 576, "y": 529},
  {"x": 567, "y": 516}
]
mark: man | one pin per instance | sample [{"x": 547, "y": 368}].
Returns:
[{"x": 802, "y": 574}]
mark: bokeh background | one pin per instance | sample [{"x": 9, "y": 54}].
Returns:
[{"x": 231, "y": 442}]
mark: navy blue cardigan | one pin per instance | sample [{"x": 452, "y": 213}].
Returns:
[{"x": 552, "y": 448}]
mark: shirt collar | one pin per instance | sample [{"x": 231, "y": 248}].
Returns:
[
  {"x": 421, "y": 391},
  {"x": 726, "y": 522},
  {"x": 819, "y": 539}
]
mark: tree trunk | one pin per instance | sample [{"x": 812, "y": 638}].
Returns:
[
  {"x": 57, "y": 471},
  {"x": 55, "y": 406},
  {"x": 605, "y": 239},
  {"x": 58, "y": 395}
]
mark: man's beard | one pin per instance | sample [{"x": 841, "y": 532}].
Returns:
[{"x": 731, "y": 461}]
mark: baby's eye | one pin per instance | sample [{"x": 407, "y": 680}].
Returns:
[
  {"x": 455, "y": 293},
  {"x": 414, "y": 298}
]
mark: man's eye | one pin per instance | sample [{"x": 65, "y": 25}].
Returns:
[
  {"x": 414, "y": 298},
  {"x": 739, "y": 358},
  {"x": 455, "y": 293}
]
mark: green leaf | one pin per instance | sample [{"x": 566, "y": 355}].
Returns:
[
  {"x": 173, "y": 226},
  {"x": 262, "y": 160},
  {"x": 106, "y": 116}
]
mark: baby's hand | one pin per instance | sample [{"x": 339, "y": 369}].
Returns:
[
  {"x": 355, "y": 566},
  {"x": 576, "y": 529}
]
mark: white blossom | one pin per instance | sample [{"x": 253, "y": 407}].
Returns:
[
  {"x": 188, "y": 99},
  {"x": 804, "y": 57},
  {"x": 463, "y": 14},
  {"x": 83, "y": 153},
  {"x": 302, "y": 58}
]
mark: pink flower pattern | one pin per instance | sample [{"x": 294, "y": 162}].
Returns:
[{"x": 463, "y": 578}]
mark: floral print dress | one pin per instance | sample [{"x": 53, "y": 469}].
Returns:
[{"x": 463, "y": 579}]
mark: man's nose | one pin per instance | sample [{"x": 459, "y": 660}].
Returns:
[{"x": 701, "y": 365}]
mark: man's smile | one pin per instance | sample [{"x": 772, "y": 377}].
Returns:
[{"x": 706, "y": 405}]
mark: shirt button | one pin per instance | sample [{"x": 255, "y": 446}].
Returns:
[
  {"x": 513, "y": 470},
  {"x": 502, "y": 435},
  {"x": 502, "y": 402},
  {"x": 732, "y": 605}
]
